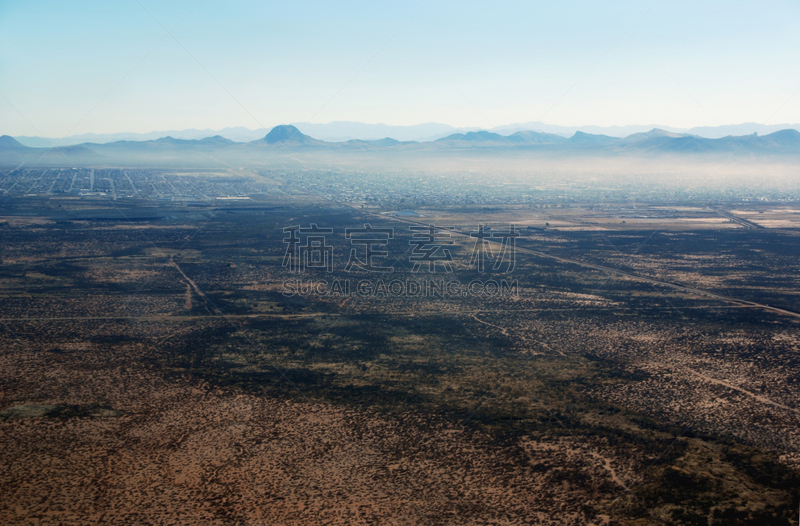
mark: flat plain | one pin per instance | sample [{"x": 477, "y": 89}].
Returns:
[{"x": 154, "y": 367}]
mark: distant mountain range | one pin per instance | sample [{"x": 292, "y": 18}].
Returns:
[
  {"x": 708, "y": 132},
  {"x": 290, "y": 140},
  {"x": 342, "y": 131},
  {"x": 655, "y": 141}
]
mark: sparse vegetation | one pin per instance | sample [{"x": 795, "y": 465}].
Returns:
[{"x": 587, "y": 398}]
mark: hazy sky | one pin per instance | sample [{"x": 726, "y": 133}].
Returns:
[{"x": 79, "y": 67}]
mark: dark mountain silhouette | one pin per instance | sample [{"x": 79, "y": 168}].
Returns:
[
  {"x": 387, "y": 141},
  {"x": 655, "y": 133},
  {"x": 286, "y": 137},
  {"x": 660, "y": 141},
  {"x": 781, "y": 139},
  {"x": 286, "y": 133},
  {"x": 345, "y": 131},
  {"x": 10, "y": 143},
  {"x": 164, "y": 144},
  {"x": 520, "y": 137},
  {"x": 478, "y": 136},
  {"x": 590, "y": 139},
  {"x": 11, "y": 151}
]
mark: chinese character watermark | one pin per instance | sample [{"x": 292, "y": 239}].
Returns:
[
  {"x": 373, "y": 240},
  {"x": 482, "y": 250},
  {"x": 315, "y": 253},
  {"x": 428, "y": 248}
]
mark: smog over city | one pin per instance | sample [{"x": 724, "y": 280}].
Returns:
[{"x": 432, "y": 263}]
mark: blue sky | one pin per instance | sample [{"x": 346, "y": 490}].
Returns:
[{"x": 103, "y": 67}]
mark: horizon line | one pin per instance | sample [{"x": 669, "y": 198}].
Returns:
[{"x": 454, "y": 129}]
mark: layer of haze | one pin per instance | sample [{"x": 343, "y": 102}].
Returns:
[{"x": 78, "y": 67}]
